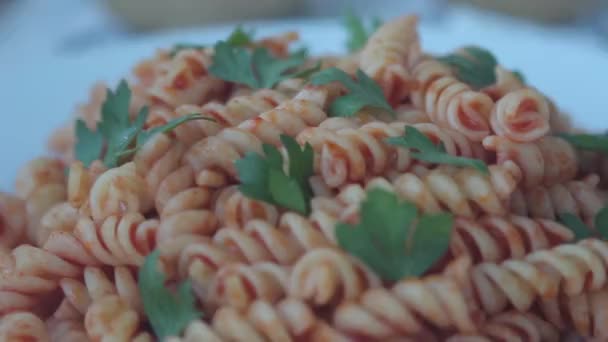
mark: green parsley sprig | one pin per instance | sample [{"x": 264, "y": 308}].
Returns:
[
  {"x": 392, "y": 239},
  {"x": 475, "y": 66},
  {"x": 168, "y": 312},
  {"x": 581, "y": 230},
  {"x": 364, "y": 92},
  {"x": 427, "y": 151},
  {"x": 263, "y": 177},
  {"x": 357, "y": 32},
  {"x": 590, "y": 142},
  {"x": 116, "y": 137},
  {"x": 238, "y": 37},
  {"x": 257, "y": 69}
]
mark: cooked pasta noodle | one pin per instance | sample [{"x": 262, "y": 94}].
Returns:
[
  {"x": 324, "y": 275},
  {"x": 512, "y": 326},
  {"x": 579, "y": 197},
  {"x": 548, "y": 161},
  {"x": 493, "y": 238},
  {"x": 583, "y": 313},
  {"x": 449, "y": 102},
  {"x": 407, "y": 308},
  {"x": 385, "y": 54},
  {"x": 22, "y": 326},
  {"x": 111, "y": 319},
  {"x": 96, "y": 284},
  {"x": 444, "y": 207},
  {"x": 351, "y": 155},
  {"x": 566, "y": 269},
  {"x": 12, "y": 220}
]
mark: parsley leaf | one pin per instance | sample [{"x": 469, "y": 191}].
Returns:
[
  {"x": 429, "y": 152},
  {"x": 384, "y": 240},
  {"x": 475, "y": 66},
  {"x": 263, "y": 177},
  {"x": 168, "y": 312},
  {"x": 581, "y": 230},
  {"x": 144, "y": 136},
  {"x": 591, "y": 142},
  {"x": 601, "y": 222},
  {"x": 116, "y": 134},
  {"x": 519, "y": 76},
  {"x": 238, "y": 37},
  {"x": 185, "y": 46},
  {"x": 358, "y": 34},
  {"x": 257, "y": 69},
  {"x": 578, "y": 227},
  {"x": 364, "y": 92},
  {"x": 89, "y": 144}
]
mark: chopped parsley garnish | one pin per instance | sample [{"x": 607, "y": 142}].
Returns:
[
  {"x": 263, "y": 177},
  {"x": 427, "y": 151},
  {"x": 169, "y": 312},
  {"x": 116, "y": 137},
  {"x": 358, "y": 34},
  {"x": 363, "y": 92},
  {"x": 392, "y": 239}
]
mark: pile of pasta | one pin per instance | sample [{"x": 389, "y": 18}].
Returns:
[{"x": 74, "y": 235}]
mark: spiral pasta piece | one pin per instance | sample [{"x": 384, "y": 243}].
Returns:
[
  {"x": 41, "y": 184},
  {"x": 66, "y": 330},
  {"x": 408, "y": 309},
  {"x": 111, "y": 319},
  {"x": 290, "y": 320},
  {"x": 197, "y": 331},
  {"x": 325, "y": 275},
  {"x": 118, "y": 241},
  {"x": 512, "y": 326},
  {"x": 584, "y": 313},
  {"x": 579, "y": 197},
  {"x": 96, "y": 284},
  {"x": 521, "y": 115},
  {"x": 565, "y": 269},
  {"x": 80, "y": 182},
  {"x": 20, "y": 291},
  {"x": 284, "y": 244},
  {"x": 197, "y": 258},
  {"x": 185, "y": 80},
  {"x": 118, "y": 191},
  {"x": 212, "y": 158},
  {"x": 291, "y": 117},
  {"x": 23, "y": 326},
  {"x": 62, "y": 217},
  {"x": 13, "y": 220},
  {"x": 385, "y": 54},
  {"x": 234, "y": 209},
  {"x": 235, "y": 111},
  {"x": 506, "y": 82},
  {"x": 351, "y": 155},
  {"x": 547, "y": 161},
  {"x": 463, "y": 191},
  {"x": 239, "y": 285},
  {"x": 190, "y": 222},
  {"x": 494, "y": 238},
  {"x": 449, "y": 102}
]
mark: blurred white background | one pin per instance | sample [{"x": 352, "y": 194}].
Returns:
[{"x": 51, "y": 52}]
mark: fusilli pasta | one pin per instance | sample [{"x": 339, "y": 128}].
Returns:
[{"x": 442, "y": 198}]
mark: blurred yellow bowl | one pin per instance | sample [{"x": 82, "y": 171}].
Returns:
[
  {"x": 156, "y": 14},
  {"x": 546, "y": 10}
]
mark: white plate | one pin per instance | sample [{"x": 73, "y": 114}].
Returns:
[{"x": 41, "y": 91}]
